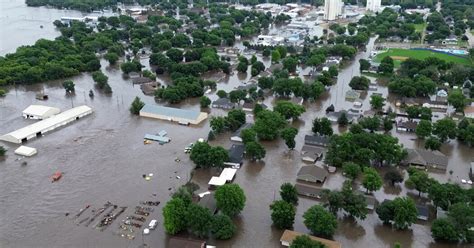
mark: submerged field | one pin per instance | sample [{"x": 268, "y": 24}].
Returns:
[{"x": 399, "y": 55}]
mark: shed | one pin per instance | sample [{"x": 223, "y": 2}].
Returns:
[
  {"x": 371, "y": 202},
  {"x": 223, "y": 103},
  {"x": 407, "y": 126},
  {"x": 423, "y": 212},
  {"x": 216, "y": 181},
  {"x": 236, "y": 155},
  {"x": 40, "y": 112},
  {"x": 312, "y": 173},
  {"x": 228, "y": 174},
  {"x": 161, "y": 139},
  {"x": 236, "y": 136},
  {"x": 311, "y": 153},
  {"x": 26, "y": 151},
  {"x": 288, "y": 236},
  {"x": 39, "y": 128},
  {"x": 182, "y": 116},
  {"x": 149, "y": 88},
  {"x": 316, "y": 140}
]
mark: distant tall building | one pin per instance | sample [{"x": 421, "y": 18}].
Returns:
[
  {"x": 373, "y": 5},
  {"x": 332, "y": 9}
]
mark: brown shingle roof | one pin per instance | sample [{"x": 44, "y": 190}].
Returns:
[{"x": 289, "y": 236}]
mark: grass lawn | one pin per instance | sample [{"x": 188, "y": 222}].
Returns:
[
  {"x": 420, "y": 27},
  {"x": 399, "y": 55}
]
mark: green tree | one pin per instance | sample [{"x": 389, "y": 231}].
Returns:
[
  {"x": 222, "y": 227},
  {"x": 418, "y": 180},
  {"x": 351, "y": 170},
  {"x": 198, "y": 220},
  {"x": 364, "y": 65},
  {"x": 405, "y": 212},
  {"x": 423, "y": 129},
  {"x": 282, "y": 50},
  {"x": 372, "y": 180},
  {"x": 377, "y": 102},
  {"x": 290, "y": 64},
  {"x": 433, "y": 143},
  {"x": 230, "y": 199},
  {"x": 386, "y": 65},
  {"x": 111, "y": 57},
  {"x": 283, "y": 214},
  {"x": 218, "y": 124},
  {"x": 205, "y": 101},
  {"x": 266, "y": 52},
  {"x": 128, "y": 67},
  {"x": 320, "y": 221},
  {"x": 387, "y": 123},
  {"x": 254, "y": 150},
  {"x": 175, "y": 54},
  {"x": 385, "y": 211},
  {"x": 68, "y": 86},
  {"x": 2, "y": 151},
  {"x": 444, "y": 129},
  {"x": 462, "y": 215},
  {"x": 393, "y": 176},
  {"x": 221, "y": 94},
  {"x": 289, "y": 134},
  {"x": 184, "y": 194},
  {"x": 174, "y": 216},
  {"x": 136, "y": 106},
  {"x": 322, "y": 126},
  {"x": 275, "y": 56},
  {"x": 333, "y": 72},
  {"x": 444, "y": 230},
  {"x": 204, "y": 156},
  {"x": 457, "y": 99},
  {"x": 342, "y": 120},
  {"x": 354, "y": 204},
  {"x": 335, "y": 201},
  {"x": 248, "y": 135},
  {"x": 288, "y": 193},
  {"x": 359, "y": 83},
  {"x": 371, "y": 123},
  {"x": 303, "y": 241},
  {"x": 268, "y": 124},
  {"x": 288, "y": 109}
]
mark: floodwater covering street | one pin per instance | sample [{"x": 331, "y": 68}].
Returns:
[{"x": 103, "y": 159}]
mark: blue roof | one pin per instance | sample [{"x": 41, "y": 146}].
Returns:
[{"x": 171, "y": 112}]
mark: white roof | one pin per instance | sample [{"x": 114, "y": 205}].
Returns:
[
  {"x": 33, "y": 129},
  {"x": 41, "y": 110},
  {"x": 217, "y": 181},
  {"x": 228, "y": 174},
  {"x": 25, "y": 151}
]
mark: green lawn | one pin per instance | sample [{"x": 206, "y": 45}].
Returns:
[
  {"x": 420, "y": 27},
  {"x": 418, "y": 54}
]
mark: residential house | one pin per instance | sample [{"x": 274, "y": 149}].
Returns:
[
  {"x": 316, "y": 140},
  {"x": 406, "y": 126},
  {"x": 371, "y": 202},
  {"x": 312, "y": 153},
  {"x": 309, "y": 191},
  {"x": 351, "y": 116},
  {"x": 223, "y": 103},
  {"x": 141, "y": 80},
  {"x": 288, "y": 236},
  {"x": 312, "y": 173},
  {"x": 352, "y": 95},
  {"x": 236, "y": 156},
  {"x": 149, "y": 88},
  {"x": 426, "y": 159},
  {"x": 237, "y": 134},
  {"x": 469, "y": 112},
  {"x": 442, "y": 96},
  {"x": 249, "y": 106}
]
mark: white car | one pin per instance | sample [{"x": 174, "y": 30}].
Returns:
[{"x": 152, "y": 224}]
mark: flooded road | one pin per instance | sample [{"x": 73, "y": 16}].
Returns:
[{"x": 103, "y": 159}]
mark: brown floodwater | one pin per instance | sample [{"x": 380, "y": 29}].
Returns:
[{"x": 103, "y": 159}]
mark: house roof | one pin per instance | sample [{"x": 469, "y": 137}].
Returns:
[
  {"x": 236, "y": 153},
  {"x": 423, "y": 210},
  {"x": 141, "y": 80},
  {"x": 315, "y": 171},
  {"x": 370, "y": 199},
  {"x": 469, "y": 110},
  {"x": 316, "y": 140},
  {"x": 304, "y": 189},
  {"x": 217, "y": 181},
  {"x": 148, "y": 88},
  {"x": 407, "y": 124},
  {"x": 239, "y": 131},
  {"x": 312, "y": 150},
  {"x": 228, "y": 174},
  {"x": 41, "y": 110},
  {"x": 208, "y": 201},
  {"x": 288, "y": 236},
  {"x": 223, "y": 102},
  {"x": 176, "y": 242},
  {"x": 171, "y": 112},
  {"x": 350, "y": 116},
  {"x": 25, "y": 151},
  {"x": 426, "y": 158}
]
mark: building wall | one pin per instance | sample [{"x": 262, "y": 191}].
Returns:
[
  {"x": 332, "y": 9},
  {"x": 200, "y": 118}
]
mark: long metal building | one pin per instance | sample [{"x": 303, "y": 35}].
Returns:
[
  {"x": 40, "y": 128},
  {"x": 182, "y": 116}
]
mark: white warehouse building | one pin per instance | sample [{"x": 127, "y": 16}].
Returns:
[
  {"x": 40, "y": 112},
  {"x": 373, "y": 5},
  {"x": 39, "y": 128},
  {"x": 182, "y": 116}
]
